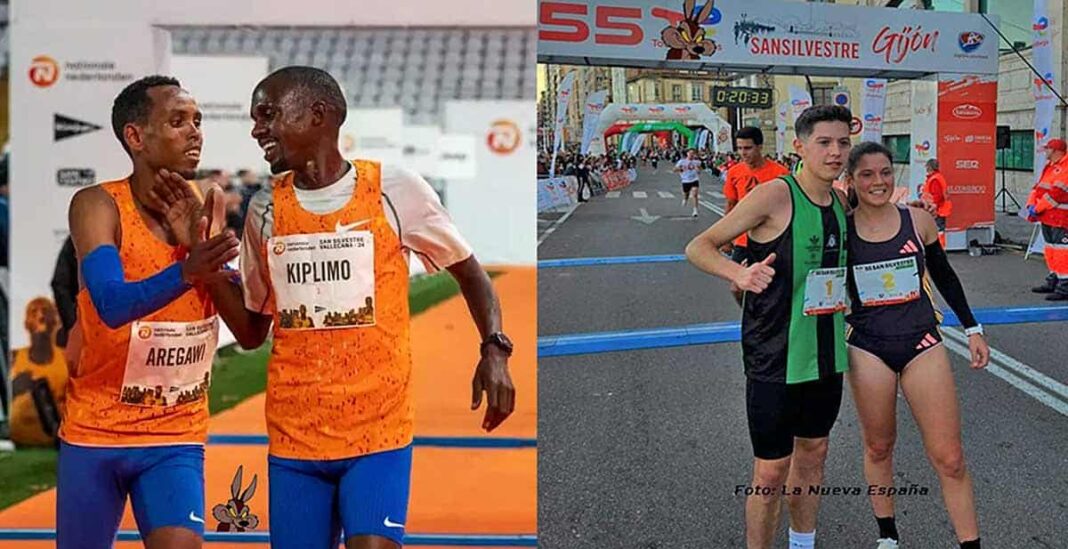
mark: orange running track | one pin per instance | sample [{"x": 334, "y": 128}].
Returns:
[{"x": 454, "y": 491}]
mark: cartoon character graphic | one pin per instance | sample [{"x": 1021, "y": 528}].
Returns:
[
  {"x": 686, "y": 40},
  {"x": 38, "y": 378},
  {"x": 235, "y": 516}
]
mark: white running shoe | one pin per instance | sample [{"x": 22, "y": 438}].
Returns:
[
  {"x": 695, "y": 212},
  {"x": 886, "y": 543}
]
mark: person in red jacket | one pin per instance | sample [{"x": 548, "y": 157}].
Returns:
[
  {"x": 1048, "y": 205},
  {"x": 935, "y": 191}
]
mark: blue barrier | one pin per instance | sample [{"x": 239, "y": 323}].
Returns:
[
  {"x": 617, "y": 260},
  {"x": 729, "y": 332},
  {"x": 454, "y": 540},
  {"x": 426, "y": 442}
]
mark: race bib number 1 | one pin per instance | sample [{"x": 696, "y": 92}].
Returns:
[
  {"x": 825, "y": 291},
  {"x": 888, "y": 282}
]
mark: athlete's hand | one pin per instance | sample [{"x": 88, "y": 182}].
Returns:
[
  {"x": 980, "y": 351},
  {"x": 927, "y": 205},
  {"x": 215, "y": 210},
  {"x": 182, "y": 208},
  {"x": 757, "y": 277},
  {"x": 491, "y": 376},
  {"x": 208, "y": 257}
]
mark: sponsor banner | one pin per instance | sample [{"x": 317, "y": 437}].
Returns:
[
  {"x": 781, "y": 114},
  {"x": 563, "y": 99},
  {"x": 495, "y": 208},
  {"x": 421, "y": 149},
  {"x": 689, "y": 114},
  {"x": 924, "y": 131},
  {"x": 64, "y": 78},
  {"x": 373, "y": 134},
  {"x": 636, "y": 143},
  {"x": 967, "y": 127},
  {"x": 800, "y": 100},
  {"x": 455, "y": 157},
  {"x": 873, "y": 109},
  {"x": 850, "y": 40},
  {"x": 1045, "y": 101},
  {"x": 223, "y": 88},
  {"x": 594, "y": 105},
  {"x": 557, "y": 192},
  {"x": 615, "y": 179}
]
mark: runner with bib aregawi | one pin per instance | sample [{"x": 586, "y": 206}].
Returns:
[
  {"x": 894, "y": 339},
  {"x": 136, "y": 415}
]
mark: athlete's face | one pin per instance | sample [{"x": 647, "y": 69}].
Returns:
[
  {"x": 284, "y": 125},
  {"x": 171, "y": 138},
  {"x": 690, "y": 155},
  {"x": 825, "y": 151},
  {"x": 873, "y": 179},
  {"x": 750, "y": 151},
  {"x": 1053, "y": 155}
]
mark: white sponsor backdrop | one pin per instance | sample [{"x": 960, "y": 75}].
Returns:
[
  {"x": 373, "y": 134},
  {"x": 74, "y": 72},
  {"x": 222, "y": 86},
  {"x": 924, "y": 131},
  {"x": 764, "y": 33},
  {"x": 496, "y": 209},
  {"x": 420, "y": 149}
]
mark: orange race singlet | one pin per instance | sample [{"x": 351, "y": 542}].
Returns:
[
  {"x": 340, "y": 369},
  {"x": 144, "y": 383}
]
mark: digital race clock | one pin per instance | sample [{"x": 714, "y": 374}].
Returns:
[{"x": 746, "y": 98}]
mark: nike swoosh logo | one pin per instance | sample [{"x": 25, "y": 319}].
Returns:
[
  {"x": 346, "y": 228},
  {"x": 391, "y": 524},
  {"x": 193, "y": 517}
]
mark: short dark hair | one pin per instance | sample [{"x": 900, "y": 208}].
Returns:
[
  {"x": 752, "y": 134},
  {"x": 864, "y": 149},
  {"x": 133, "y": 104},
  {"x": 933, "y": 164},
  {"x": 317, "y": 81},
  {"x": 820, "y": 113}
]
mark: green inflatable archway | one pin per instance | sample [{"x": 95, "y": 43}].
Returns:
[{"x": 645, "y": 127}]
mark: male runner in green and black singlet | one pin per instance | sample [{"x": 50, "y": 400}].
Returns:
[{"x": 793, "y": 327}]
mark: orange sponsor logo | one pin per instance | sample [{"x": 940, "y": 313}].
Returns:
[
  {"x": 144, "y": 332},
  {"x": 503, "y": 137},
  {"x": 44, "y": 71},
  {"x": 279, "y": 247}
]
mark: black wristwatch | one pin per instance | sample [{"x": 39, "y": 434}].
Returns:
[{"x": 499, "y": 340}]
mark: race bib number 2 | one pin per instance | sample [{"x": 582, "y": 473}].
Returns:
[
  {"x": 825, "y": 291},
  {"x": 887, "y": 282}
]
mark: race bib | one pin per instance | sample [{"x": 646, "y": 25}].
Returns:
[
  {"x": 323, "y": 281},
  {"x": 825, "y": 291},
  {"x": 169, "y": 363},
  {"x": 887, "y": 282}
]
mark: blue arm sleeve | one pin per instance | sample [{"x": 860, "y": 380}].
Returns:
[{"x": 119, "y": 302}]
